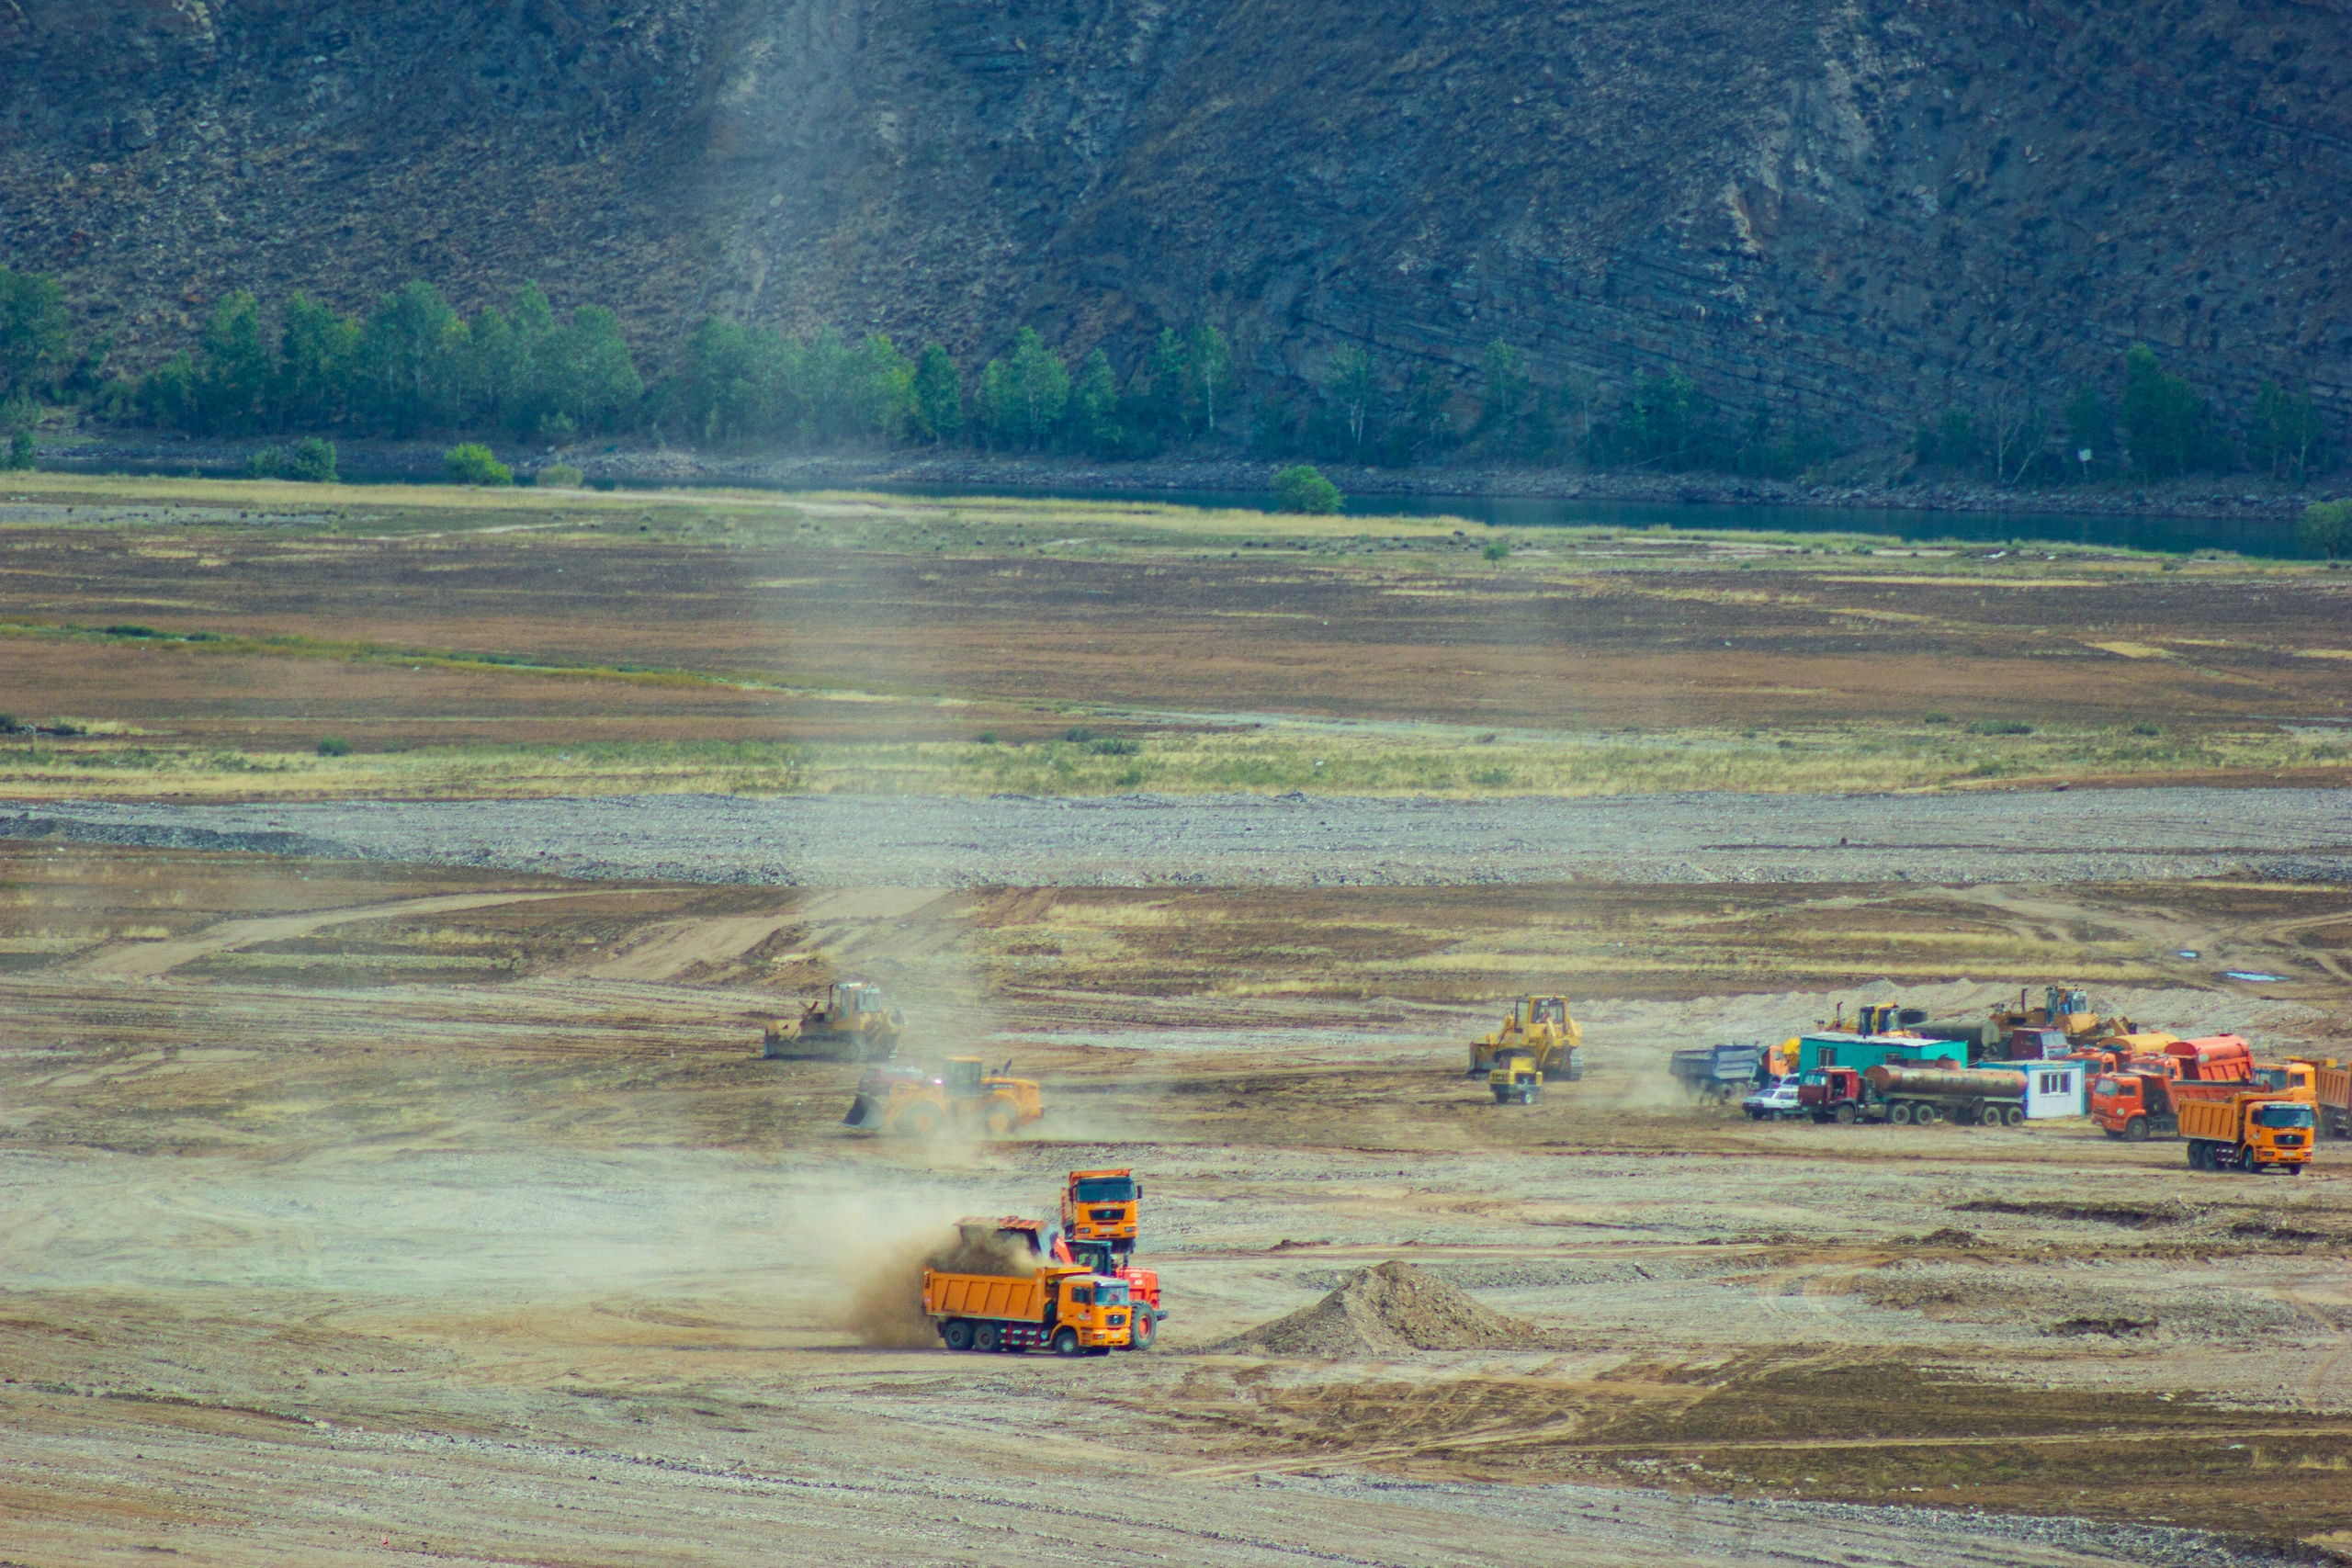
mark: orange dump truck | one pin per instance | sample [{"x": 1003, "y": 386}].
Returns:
[
  {"x": 1102, "y": 1208},
  {"x": 2143, "y": 1102},
  {"x": 2333, "y": 1089},
  {"x": 1071, "y": 1312},
  {"x": 2249, "y": 1132}
]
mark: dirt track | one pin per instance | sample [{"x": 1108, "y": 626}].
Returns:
[{"x": 2072, "y": 837}]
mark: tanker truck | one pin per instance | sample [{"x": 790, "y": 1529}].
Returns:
[{"x": 1974, "y": 1097}]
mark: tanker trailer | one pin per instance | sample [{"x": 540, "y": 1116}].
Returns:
[{"x": 1922, "y": 1096}]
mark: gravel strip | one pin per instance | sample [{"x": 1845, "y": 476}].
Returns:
[
  {"x": 1146, "y": 839},
  {"x": 1142, "y": 840}
]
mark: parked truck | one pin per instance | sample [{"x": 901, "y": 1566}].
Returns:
[
  {"x": 2249, "y": 1132},
  {"x": 1070, "y": 1311},
  {"x": 2142, "y": 1103},
  {"x": 1921, "y": 1096},
  {"x": 2333, "y": 1087}
]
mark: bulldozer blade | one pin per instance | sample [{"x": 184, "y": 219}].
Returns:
[{"x": 860, "y": 1109}]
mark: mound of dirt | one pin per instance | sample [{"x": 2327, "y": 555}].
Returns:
[{"x": 1393, "y": 1307}]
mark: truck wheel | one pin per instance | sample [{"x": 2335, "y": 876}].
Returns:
[
  {"x": 2244, "y": 1160},
  {"x": 1000, "y": 1121},
  {"x": 1923, "y": 1116},
  {"x": 958, "y": 1335},
  {"x": 988, "y": 1337},
  {"x": 1899, "y": 1114},
  {"x": 2136, "y": 1130},
  {"x": 1845, "y": 1114},
  {"x": 2014, "y": 1116},
  {"x": 921, "y": 1121},
  {"x": 1065, "y": 1342},
  {"x": 1145, "y": 1329},
  {"x": 2293, "y": 1169},
  {"x": 2196, "y": 1154}
]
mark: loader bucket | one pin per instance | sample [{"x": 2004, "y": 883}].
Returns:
[{"x": 862, "y": 1112}]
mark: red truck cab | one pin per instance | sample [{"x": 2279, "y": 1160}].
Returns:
[{"x": 1832, "y": 1094}]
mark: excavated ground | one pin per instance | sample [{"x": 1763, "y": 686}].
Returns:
[{"x": 363, "y": 1212}]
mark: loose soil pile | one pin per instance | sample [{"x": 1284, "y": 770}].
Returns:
[{"x": 1393, "y": 1307}]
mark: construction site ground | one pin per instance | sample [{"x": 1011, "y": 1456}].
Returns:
[{"x": 376, "y": 1212}]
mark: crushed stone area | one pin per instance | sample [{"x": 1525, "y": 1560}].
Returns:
[{"x": 1142, "y": 840}]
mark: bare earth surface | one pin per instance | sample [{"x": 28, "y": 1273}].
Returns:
[
  {"x": 2098, "y": 836},
  {"x": 368, "y": 1212}
]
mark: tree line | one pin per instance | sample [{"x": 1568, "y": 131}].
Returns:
[{"x": 414, "y": 366}]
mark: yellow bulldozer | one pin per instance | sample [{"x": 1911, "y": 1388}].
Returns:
[
  {"x": 854, "y": 1023},
  {"x": 1538, "y": 1027},
  {"x": 960, "y": 1095}
]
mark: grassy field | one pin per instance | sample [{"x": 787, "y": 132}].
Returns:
[{"x": 203, "y": 638}]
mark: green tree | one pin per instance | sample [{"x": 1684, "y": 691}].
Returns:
[
  {"x": 238, "y": 373},
  {"x": 1666, "y": 423},
  {"x": 1504, "y": 393},
  {"x": 33, "y": 327},
  {"x": 938, "y": 397},
  {"x": 317, "y": 350},
  {"x": 1171, "y": 386},
  {"x": 471, "y": 463},
  {"x": 2166, "y": 426},
  {"x": 1304, "y": 488},
  {"x": 21, "y": 450},
  {"x": 1957, "y": 445},
  {"x": 2285, "y": 437},
  {"x": 585, "y": 373},
  {"x": 2090, "y": 427},
  {"x": 885, "y": 392},
  {"x": 1094, "y": 426},
  {"x": 409, "y": 353},
  {"x": 1353, "y": 389},
  {"x": 1208, "y": 370},
  {"x": 2325, "y": 529},
  {"x": 1021, "y": 397}
]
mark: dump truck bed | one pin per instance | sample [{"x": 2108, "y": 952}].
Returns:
[{"x": 983, "y": 1295}]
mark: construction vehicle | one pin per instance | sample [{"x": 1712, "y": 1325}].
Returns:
[
  {"x": 2140, "y": 1103},
  {"x": 960, "y": 1096},
  {"x": 1972, "y": 1097},
  {"x": 2332, "y": 1087},
  {"x": 1044, "y": 1245},
  {"x": 1718, "y": 1072},
  {"x": 1516, "y": 1079},
  {"x": 1066, "y": 1309},
  {"x": 1541, "y": 1026},
  {"x": 2066, "y": 1008},
  {"x": 2117, "y": 1053},
  {"x": 1102, "y": 1209},
  {"x": 852, "y": 1023},
  {"x": 2249, "y": 1132}
]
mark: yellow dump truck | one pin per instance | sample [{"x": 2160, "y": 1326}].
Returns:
[
  {"x": 2249, "y": 1132},
  {"x": 1071, "y": 1312},
  {"x": 1541, "y": 1026},
  {"x": 1102, "y": 1210}
]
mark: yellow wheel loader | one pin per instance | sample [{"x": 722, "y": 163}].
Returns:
[
  {"x": 1538, "y": 1027},
  {"x": 960, "y": 1096},
  {"x": 853, "y": 1023},
  {"x": 1516, "y": 1079}
]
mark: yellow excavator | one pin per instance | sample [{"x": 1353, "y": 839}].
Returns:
[
  {"x": 853, "y": 1023},
  {"x": 960, "y": 1095},
  {"x": 1537, "y": 1027}
]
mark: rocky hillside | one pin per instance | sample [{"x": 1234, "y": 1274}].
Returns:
[{"x": 1865, "y": 210}]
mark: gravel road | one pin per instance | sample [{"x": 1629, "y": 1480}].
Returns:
[{"x": 1142, "y": 841}]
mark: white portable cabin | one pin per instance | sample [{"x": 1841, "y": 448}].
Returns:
[{"x": 2054, "y": 1090}]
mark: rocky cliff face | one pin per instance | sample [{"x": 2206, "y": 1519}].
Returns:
[{"x": 1862, "y": 210}]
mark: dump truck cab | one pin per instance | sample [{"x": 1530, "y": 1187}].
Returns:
[
  {"x": 1102, "y": 1208},
  {"x": 2129, "y": 1104},
  {"x": 1516, "y": 1079},
  {"x": 1833, "y": 1094}
]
